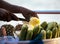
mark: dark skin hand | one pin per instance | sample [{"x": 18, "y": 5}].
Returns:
[
  {"x": 8, "y": 16},
  {"x": 7, "y": 10}
]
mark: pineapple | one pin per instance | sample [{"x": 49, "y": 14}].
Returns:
[{"x": 9, "y": 29}]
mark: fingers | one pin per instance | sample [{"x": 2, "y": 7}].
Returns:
[
  {"x": 34, "y": 14},
  {"x": 7, "y": 16},
  {"x": 4, "y": 14},
  {"x": 13, "y": 17},
  {"x": 29, "y": 15}
]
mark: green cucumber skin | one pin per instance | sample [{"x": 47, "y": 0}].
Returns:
[
  {"x": 43, "y": 33},
  {"x": 36, "y": 31},
  {"x": 23, "y": 33},
  {"x": 29, "y": 35},
  {"x": 48, "y": 34},
  {"x": 54, "y": 32}
]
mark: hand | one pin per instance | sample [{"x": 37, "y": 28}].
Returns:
[
  {"x": 8, "y": 16},
  {"x": 28, "y": 14},
  {"x": 16, "y": 9}
]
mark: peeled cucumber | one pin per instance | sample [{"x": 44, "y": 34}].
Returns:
[
  {"x": 51, "y": 25},
  {"x": 44, "y": 25},
  {"x": 36, "y": 31},
  {"x": 54, "y": 32},
  {"x": 59, "y": 30},
  {"x": 48, "y": 34},
  {"x": 41, "y": 28},
  {"x": 29, "y": 35},
  {"x": 23, "y": 33},
  {"x": 43, "y": 33}
]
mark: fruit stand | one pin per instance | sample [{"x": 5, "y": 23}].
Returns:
[{"x": 35, "y": 32}]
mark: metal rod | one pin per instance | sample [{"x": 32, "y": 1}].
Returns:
[{"x": 48, "y": 12}]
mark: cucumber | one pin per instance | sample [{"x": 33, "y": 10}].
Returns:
[
  {"x": 51, "y": 25},
  {"x": 36, "y": 31},
  {"x": 48, "y": 34},
  {"x": 43, "y": 33},
  {"x": 59, "y": 30},
  {"x": 23, "y": 32},
  {"x": 54, "y": 32},
  {"x": 41, "y": 28},
  {"x": 29, "y": 35},
  {"x": 44, "y": 25}
]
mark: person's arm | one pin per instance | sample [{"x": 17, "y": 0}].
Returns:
[
  {"x": 8, "y": 16},
  {"x": 18, "y": 9},
  {"x": 13, "y": 8}
]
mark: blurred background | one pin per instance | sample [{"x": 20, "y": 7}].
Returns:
[{"x": 37, "y": 5}]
